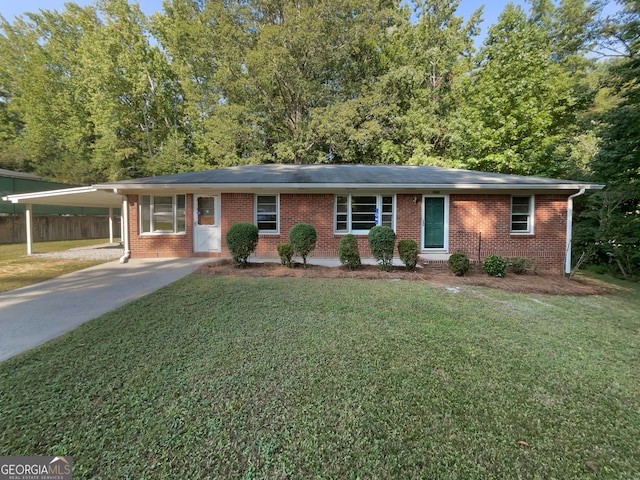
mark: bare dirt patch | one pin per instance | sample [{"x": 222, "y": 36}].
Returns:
[{"x": 535, "y": 284}]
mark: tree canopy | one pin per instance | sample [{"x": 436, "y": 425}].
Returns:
[{"x": 104, "y": 92}]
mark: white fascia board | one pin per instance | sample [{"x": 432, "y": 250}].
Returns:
[
  {"x": 299, "y": 187},
  {"x": 18, "y": 197},
  {"x": 76, "y": 196}
]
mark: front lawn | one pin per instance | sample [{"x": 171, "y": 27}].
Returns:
[{"x": 230, "y": 377}]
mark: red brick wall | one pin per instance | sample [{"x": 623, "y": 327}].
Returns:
[
  {"x": 314, "y": 209},
  {"x": 478, "y": 226},
  {"x": 160, "y": 245}
]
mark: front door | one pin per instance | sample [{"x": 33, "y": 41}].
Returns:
[
  {"x": 434, "y": 223},
  {"x": 206, "y": 223}
]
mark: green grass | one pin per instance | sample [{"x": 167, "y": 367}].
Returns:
[
  {"x": 19, "y": 270},
  {"x": 222, "y": 377}
]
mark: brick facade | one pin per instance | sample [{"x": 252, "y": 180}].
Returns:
[{"x": 479, "y": 225}]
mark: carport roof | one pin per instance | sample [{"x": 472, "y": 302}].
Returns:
[
  {"x": 69, "y": 197},
  {"x": 324, "y": 177}
]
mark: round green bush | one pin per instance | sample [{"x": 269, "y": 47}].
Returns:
[
  {"x": 242, "y": 240},
  {"x": 495, "y": 266},
  {"x": 382, "y": 240},
  {"x": 302, "y": 238},
  {"x": 520, "y": 265},
  {"x": 285, "y": 252},
  {"x": 458, "y": 264},
  {"x": 408, "y": 250},
  {"x": 348, "y": 252}
]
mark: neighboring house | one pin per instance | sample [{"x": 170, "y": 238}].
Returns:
[{"x": 443, "y": 210}]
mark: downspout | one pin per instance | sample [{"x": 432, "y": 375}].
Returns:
[
  {"x": 110, "y": 225},
  {"x": 567, "y": 264},
  {"x": 125, "y": 230}
]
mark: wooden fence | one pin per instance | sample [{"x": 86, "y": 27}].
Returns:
[{"x": 48, "y": 228}]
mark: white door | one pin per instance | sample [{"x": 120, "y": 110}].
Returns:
[{"x": 206, "y": 223}]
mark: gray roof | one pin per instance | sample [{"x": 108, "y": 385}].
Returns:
[{"x": 325, "y": 177}]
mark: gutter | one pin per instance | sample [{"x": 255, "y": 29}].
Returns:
[
  {"x": 332, "y": 187},
  {"x": 567, "y": 265}
]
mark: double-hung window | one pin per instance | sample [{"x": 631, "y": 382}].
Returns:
[
  {"x": 360, "y": 213},
  {"x": 162, "y": 213},
  {"x": 266, "y": 213},
  {"x": 522, "y": 214}
]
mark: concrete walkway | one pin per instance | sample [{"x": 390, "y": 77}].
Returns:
[{"x": 35, "y": 314}]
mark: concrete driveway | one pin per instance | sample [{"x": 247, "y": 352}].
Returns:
[{"x": 33, "y": 315}]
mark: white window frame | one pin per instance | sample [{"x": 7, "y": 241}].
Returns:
[
  {"x": 277, "y": 212},
  {"x": 349, "y": 219},
  {"x": 175, "y": 213},
  {"x": 530, "y": 215}
]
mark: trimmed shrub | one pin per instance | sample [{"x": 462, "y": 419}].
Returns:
[
  {"x": 285, "y": 252},
  {"x": 348, "y": 252},
  {"x": 382, "y": 240},
  {"x": 408, "y": 250},
  {"x": 242, "y": 240},
  {"x": 458, "y": 264},
  {"x": 302, "y": 238},
  {"x": 495, "y": 266},
  {"x": 521, "y": 265}
]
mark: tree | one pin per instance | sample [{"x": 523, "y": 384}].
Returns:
[
  {"x": 404, "y": 115},
  {"x": 40, "y": 79},
  {"x": 88, "y": 97},
  {"x": 131, "y": 95},
  {"x": 428, "y": 58},
  {"x": 200, "y": 42},
  {"x": 526, "y": 95},
  {"x": 611, "y": 226},
  {"x": 297, "y": 60}
]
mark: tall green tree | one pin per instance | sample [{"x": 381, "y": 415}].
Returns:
[
  {"x": 299, "y": 59},
  {"x": 404, "y": 115},
  {"x": 41, "y": 77},
  {"x": 613, "y": 218},
  {"x": 429, "y": 59},
  {"x": 527, "y": 93},
  {"x": 131, "y": 95},
  {"x": 199, "y": 40}
]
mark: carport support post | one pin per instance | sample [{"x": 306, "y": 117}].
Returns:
[{"x": 28, "y": 220}]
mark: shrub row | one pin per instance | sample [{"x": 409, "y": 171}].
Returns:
[
  {"x": 382, "y": 241},
  {"x": 493, "y": 265},
  {"x": 242, "y": 240}
]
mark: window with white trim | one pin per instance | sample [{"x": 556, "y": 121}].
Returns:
[
  {"x": 360, "y": 213},
  {"x": 163, "y": 214},
  {"x": 266, "y": 213},
  {"x": 522, "y": 214}
]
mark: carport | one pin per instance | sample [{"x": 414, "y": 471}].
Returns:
[{"x": 71, "y": 197}]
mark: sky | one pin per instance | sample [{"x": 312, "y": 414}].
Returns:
[{"x": 492, "y": 8}]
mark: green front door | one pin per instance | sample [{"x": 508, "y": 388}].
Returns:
[{"x": 434, "y": 222}]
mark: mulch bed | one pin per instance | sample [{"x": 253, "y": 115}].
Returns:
[{"x": 535, "y": 284}]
